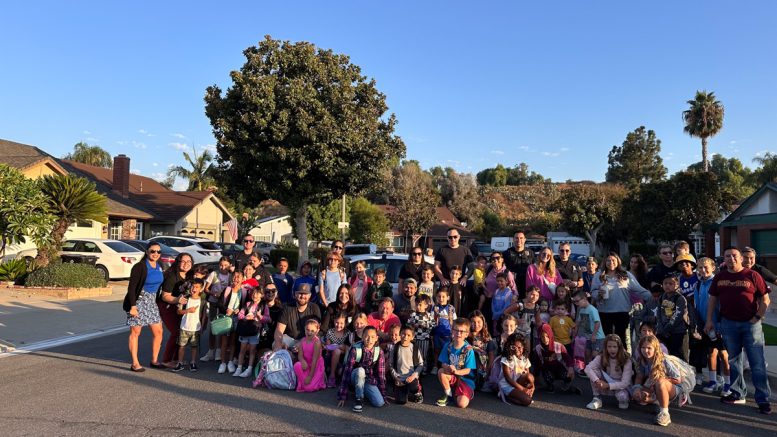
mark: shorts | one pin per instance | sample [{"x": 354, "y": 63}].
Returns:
[
  {"x": 190, "y": 338},
  {"x": 708, "y": 344},
  {"x": 252, "y": 340},
  {"x": 595, "y": 346},
  {"x": 461, "y": 388}
]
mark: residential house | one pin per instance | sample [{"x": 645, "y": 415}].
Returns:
[
  {"x": 274, "y": 229},
  {"x": 754, "y": 224},
  {"x": 434, "y": 237}
]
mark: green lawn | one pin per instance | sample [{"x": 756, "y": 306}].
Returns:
[{"x": 770, "y": 334}]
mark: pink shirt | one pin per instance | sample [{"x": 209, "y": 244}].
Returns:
[{"x": 546, "y": 284}]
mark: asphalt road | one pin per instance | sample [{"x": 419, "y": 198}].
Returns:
[{"x": 86, "y": 389}]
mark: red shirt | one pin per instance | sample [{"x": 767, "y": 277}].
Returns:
[
  {"x": 738, "y": 293},
  {"x": 383, "y": 326}
]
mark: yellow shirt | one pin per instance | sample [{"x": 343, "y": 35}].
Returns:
[
  {"x": 478, "y": 277},
  {"x": 562, "y": 328}
]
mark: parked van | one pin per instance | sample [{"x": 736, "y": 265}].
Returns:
[
  {"x": 577, "y": 244},
  {"x": 500, "y": 244}
]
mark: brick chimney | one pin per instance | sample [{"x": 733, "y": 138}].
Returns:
[{"x": 121, "y": 175}]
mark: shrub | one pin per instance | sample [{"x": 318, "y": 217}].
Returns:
[
  {"x": 66, "y": 275},
  {"x": 292, "y": 255},
  {"x": 14, "y": 270}
]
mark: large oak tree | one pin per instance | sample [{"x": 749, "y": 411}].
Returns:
[{"x": 301, "y": 125}]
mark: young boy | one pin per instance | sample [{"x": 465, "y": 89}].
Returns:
[
  {"x": 589, "y": 326},
  {"x": 672, "y": 320},
  {"x": 458, "y": 294},
  {"x": 562, "y": 325},
  {"x": 422, "y": 322},
  {"x": 378, "y": 290},
  {"x": 479, "y": 275},
  {"x": 365, "y": 369},
  {"x": 444, "y": 315},
  {"x": 406, "y": 366},
  {"x": 388, "y": 349},
  {"x": 457, "y": 373},
  {"x": 190, "y": 326}
]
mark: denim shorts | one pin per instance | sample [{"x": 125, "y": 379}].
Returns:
[{"x": 252, "y": 340}]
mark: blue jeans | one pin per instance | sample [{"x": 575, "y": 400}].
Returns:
[
  {"x": 750, "y": 336},
  {"x": 358, "y": 377}
]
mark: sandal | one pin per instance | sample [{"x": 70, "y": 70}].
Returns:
[
  {"x": 157, "y": 365},
  {"x": 138, "y": 369}
]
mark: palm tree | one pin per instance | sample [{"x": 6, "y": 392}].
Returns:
[
  {"x": 90, "y": 155},
  {"x": 703, "y": 119},
  {"x": 767, "y": 172},
  {"x": 200, "y": 175},
  {"x": 70, "y": 199}
]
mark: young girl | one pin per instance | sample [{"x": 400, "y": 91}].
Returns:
[
  {"x": 215, "y": 285},
  {"x": 360, "y": 284},
  {"x": 509, "y": 326},
  {"x": 480, "y": 339},
  {"x": 229, "y": 304},
  {"x": 657, "y": 379},
  {"x": 330, "y": 279},
  {"x": 646, "y": 328},
  {"x": 516, "y": 383},
  {"x": 563, "y": 295},
  {"x": 444, "y": 315},
  {"x": 335, "y": 337},
  {"x": 426, "y": 287},
  {"x": 552, "y": 361},
  {"x": 526, "y": 314},
  {"x": 610, "y": 374},
  {"x": 543, "y": 310},
  {"x": 355, "y": 336},
  {"x": 422, "y": 322},
  {"x": 251, "y": 317},
  {"x": 310, "y": 365},
  {"x": 503, "y": 297}
]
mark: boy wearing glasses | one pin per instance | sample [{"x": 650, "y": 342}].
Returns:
[{"x": 457, "y": 370}]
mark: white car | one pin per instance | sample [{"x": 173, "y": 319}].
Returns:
[
  {"x": 114, "y": 258},
  {"x": 203, "y": 251},
  {"x": 391, "y": 262}
]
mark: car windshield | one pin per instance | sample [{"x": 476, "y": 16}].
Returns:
[
  {"x": 392, "y": 267},
  {"x": 121, "y": 247},
  {"x": 208, "y": 245}
]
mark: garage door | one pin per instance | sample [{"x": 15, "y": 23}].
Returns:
[{"x": 765, "y": 242}]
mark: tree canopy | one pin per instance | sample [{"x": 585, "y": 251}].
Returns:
[
  {"x": 767, "y": 172},
  {"x": 735, "y": 180},
  {"x": 519, "y": 175},
  {"x": 90, "y": 155},
  {"x": 199, "y": 175},
  {"x": 368, "y": 223},
  {"x": 301, "y": 125},
  {"x": 587, "y": 208},
  {"x": 414, "y": 199},
  {"x": 703, "y": 119},
  {"x": 637, "y": 160},
  {"x": 23, "y": 210}
]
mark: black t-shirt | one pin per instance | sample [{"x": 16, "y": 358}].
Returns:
[
  {"x": 569, "y": 270},
  {"x": 242, "y": 259},
  {"x": 410, "y": 270},
  {"x": 263, "y": 277},
  {"x": 174, "y": 285},
  {"x": 295, "y": 320},
  {"x": 518, "y": 262},
  {"x": 657, "y": 275},
  {"x": 449, "y": 257}
]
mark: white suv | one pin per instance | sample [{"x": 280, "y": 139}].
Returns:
[{"x": 203, "y": 251}]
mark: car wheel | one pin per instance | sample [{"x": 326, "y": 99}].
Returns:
[{"x": 104, "y": 272}]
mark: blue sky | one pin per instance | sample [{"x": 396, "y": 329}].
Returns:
[{"x": 472, "y": 84}]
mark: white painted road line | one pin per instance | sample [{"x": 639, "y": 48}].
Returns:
[{"x": 48, "y": 344}]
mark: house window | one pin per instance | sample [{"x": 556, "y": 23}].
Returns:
[
  {"x": 84, "y": 224},
  {"x": 139, "y": 231},
  {"x": 114, "y": 230},
  {"x": 398, "y": 241}
]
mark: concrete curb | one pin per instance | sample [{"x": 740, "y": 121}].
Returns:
[{"x": 48, "y": 344}]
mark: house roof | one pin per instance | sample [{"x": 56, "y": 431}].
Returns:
[
  {"x": 737, "y": 217},
  {"x": 445, "y": 220},
  {"x": 22, "y": 156},
  {"x": 269, "y": 219}
]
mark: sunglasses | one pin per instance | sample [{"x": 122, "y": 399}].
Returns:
[
  {"x": 666, "y": 253},
  {"x": 495, "y": 258},
  {"x": 337, "y": 247},
  {"x": 417, "y": 253},
  {"x": 248, "y": 241},
  {"x": 564, "y": 250},
  {"x": 154, "y": 251},
  {"x": 453, "y": 237}
]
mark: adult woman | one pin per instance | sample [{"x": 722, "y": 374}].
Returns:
[
  {"x": 612, "y": 291},
  {"x": 345, "y": 304},
  {"x": 497, "y": 267},
  {"x": 412, "y": 268},
  {"x": 544, "y": 275},
  {"x": 330, "y": 279},
  {"x": 139, "y": 303},
  {"x": 175, "y": 289},
  {"x": 639, "y": 268},
  {"x": 276, "y": 309}
]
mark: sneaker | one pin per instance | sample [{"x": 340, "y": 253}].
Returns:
[
  {"x": 331, "y": 382},
  {"x": 663, "y": 419},
  {"x": 595, "y": 404},
  {"x": 178, "y": 367},
  {"x": 623, "y": 405},
  {"x": 418, "y": 399},
  {"x": 726, "y": 390},
  {"x": 208, "y": 356},
  {"x": 699, "y": 379},
  {"x": 247, "y": 372},
  {"x": 443, "y": 401},
  {"x": 434, "y": 371},
  {"x": 193, "y": 367},
  {"x": 710, "y": 386},
  {"x": 732, "y": 399},
  {"x": 358, "y": 406},
  {"x": 721, "y": 379},
  {"x": 231, "y": 367},
  {"x": 765, "y": 408},
  {"x": 217, "y": 354},
  {"x": 238, "y": 371},
  {"x": 222, "y": 368}
]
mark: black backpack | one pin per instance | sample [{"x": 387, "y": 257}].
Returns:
[{"x": 415, "y": 355}]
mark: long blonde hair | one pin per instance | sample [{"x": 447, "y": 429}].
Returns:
[
  {"x": 621, "y": 358},
  {"x": 550, "y": 266},
  {"x": 657, "y": 370}
]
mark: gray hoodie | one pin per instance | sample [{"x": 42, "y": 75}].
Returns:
[{"x": 619, "y": 293}]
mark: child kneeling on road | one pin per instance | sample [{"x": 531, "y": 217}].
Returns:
[
  {"x": 516, "y": 383},
  {"x": 610, "y": 374},
  {"x": 457, "y": 372},
  {"x": 406, "y": 366},
  {"x": 657, "y": 379},
  {"x": 365, "y": 369}
]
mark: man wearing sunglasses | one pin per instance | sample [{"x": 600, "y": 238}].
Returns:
[
  {"x": 517, "y": 260},
  {"x": 570, "y": 272},
  {"x": 243, "y": 258},
  {"x": 660, "y": 271},
  {"x": 452, "y": 254},
  {"x": 412, "y": 268}
]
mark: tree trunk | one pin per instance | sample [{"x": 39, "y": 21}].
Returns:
[
  {"x": 51, "y": 251},
  {"x": 301, "y": 220},
  {"x": 706, "y": 163},
  {"x": 592, "y": 236}
]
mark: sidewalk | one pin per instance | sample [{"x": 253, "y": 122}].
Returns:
[{"x": 26, "y": 318}]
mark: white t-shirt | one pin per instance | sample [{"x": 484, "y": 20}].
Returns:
[
  {"x": 517, "y": 366},
  {"x": 191, "y": 321}
]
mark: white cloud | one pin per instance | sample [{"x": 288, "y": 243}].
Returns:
[
  {"x": 210, "y": 147},
  {"x": 732, "y": 142},
  {"x": 524, "y": 148},
  {"x": 179, "y": 136},
  {"x": 170, "y": 165},
  {"x": 135, "y": 171},
  {"x": 180, "y": 185},
  {"x": 453, "y": 161},
  {"x": 86, "y": 132},
  {"x": 92, "y": 139},
  {"x": 760, "y": 153},
  {"x": 121, "y": 143},
  {"x": 138, "y": 145},
  {"x": 551, "y": 154},
  {"x": 497, "y": 152},
  {"x": 179, "y": 146},
  {"x": 155, "y": 164},
  {"x": 142, "y": 131},
  {"x": 157, "y": 176}
]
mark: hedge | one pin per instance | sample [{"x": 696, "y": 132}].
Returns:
[
  {"x": 66, "y": 275},
  {"x": 292, "y": 255}
]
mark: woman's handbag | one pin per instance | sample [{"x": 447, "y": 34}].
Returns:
[{"x": 221, "y": 325}]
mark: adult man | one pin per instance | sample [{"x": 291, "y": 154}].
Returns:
[
  {"x": 412, "y": 268},
  {"x": 744, "y": 299},
  {"x": 291, "y": 325},
  {"x": 451, "y": 255},
  {"x": 570, "y": 272},
  {"x": 660, "y": 271},
  {"x": 517, "y": 259},
  {"x": 384, "y": 319},
  {"x": 244, "y": 258},
  {"x": 748, "y": 261},
  {"x": 283, "y": 280},
  {"x": 404, "y": 303}
]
